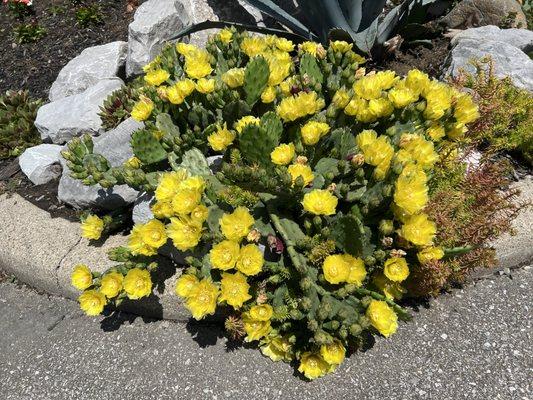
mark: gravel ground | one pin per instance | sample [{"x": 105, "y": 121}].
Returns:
[{"x": 475, "y": 343}]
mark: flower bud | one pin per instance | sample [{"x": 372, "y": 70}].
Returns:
[
  {"x": 358, "y": 160},
  {"x": 312, "y": 325},
  {"x": 306, "y": 284},
  {"x": 370, "y": 261},
  {"x": 397, "y": 253},
  {"x": 305, "y": 304},
  {"x": 364, "y": 322},
  {"x": 380, "y": 255},
  {"x": 355, "y": 329},
  {"x": 301, "y": 160},
  {"x": 343, "y": 333},
  {"x": 387, "y": 241},
  {"x": 386, "y": 226}
]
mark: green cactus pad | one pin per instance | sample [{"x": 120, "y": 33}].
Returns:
[
  {"x": 309, "y": 67},
  {"x": 256, "y": 144},
  {"x": 195, "y": 162},
  {"x": 255, "y": 79},
  {"x": 147, "y": 148}
]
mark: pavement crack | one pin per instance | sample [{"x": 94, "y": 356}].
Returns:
[
  {"x": 62, "y": 259},
  {"x": 55, "y": 323}
]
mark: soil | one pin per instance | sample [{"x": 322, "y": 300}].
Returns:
[
  {"x": 34, "y": 66},
  {"x": 13, "y": 180}
]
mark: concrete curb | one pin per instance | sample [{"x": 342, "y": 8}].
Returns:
[{"x": 41, "y": 251}]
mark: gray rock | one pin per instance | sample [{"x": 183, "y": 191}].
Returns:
[
  {"x": 115, "y": 146},
  {"x": 215, "y": 163},
  {"x": 521, "y": 38},
  {"x": 472, "y": 13},
  {"x": 155, "y": 22},
  {"x": 41, "y": 163},
  {"x": 141, "y": 208},
  {"x": 75, "y": 115},
  {"x": 508, "y": 60},
  {"x": 92, "y": 65}
]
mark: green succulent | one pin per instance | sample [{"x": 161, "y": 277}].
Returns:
[{"x": 17, "y": 114}]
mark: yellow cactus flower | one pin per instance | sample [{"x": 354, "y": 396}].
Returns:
[
  {"x": 236, "y": 225},
  {"x": 277, "y": 349},
  {"x": 341, "y": 98},
  {"x": 185, "y": 48},
  {"x": 136, "y": 242},
  {"x": 225, "y": 35},
  {"x": 313, "y": 131},
  {"x": 357, "y": 270},
  {"x": 194, "y": 183},
  {"x": 245, "y": 121},
  {"x": 401, "y": 98},
  {"x": 417, "y": 81},
  {"x": 268, "y": 95},
  {"x": 466, "y": 111},
  {"x": 221, "y": 139},
  {"x": 313, "y": 365},
  {"x": 234, "y": 289},
  {"x": 205, "y": 85},
  {"x": 320, "y": 202},
  {"x": 197, "y": 64},
  {"x": 341, "y": 46},
  {"x": 162, "y": 209},
  {"x": 111, "y": 284},
  {"x": 333, "y": 353},
  {"x": 368, "y": 87},
  {"x": 142, "y": 109},
  {"x": 422, "y": 151},
  {"x": 253, "y": 46},
  {"x": 92, "y": 227},
  {"x": 309, "y": 47},
  {"x": 280, "y": 68},
  {"x": 92, "y": 302},
  {"x": 81, "y": 277},
  {"x": 202, "y": 299},
  {"x": 411, "y": 191},
  {"x": 185, "y": 232},
  {"x": 283, "y": 154},
  {"x": 336, "y": 269},
  {"x": 185, "y": 86},
  {"x": 137, "y": 283},
  {"x": 261, "y": 312},
  {"x": 156, "y": 77},
  {"x": 380, "y": 108},
  {"x": 396, "y": 269},
  {"x": 438, "y": 101},
  {"x": 185, "y": 284},
  {"x": 169, "y": 184},
  {"x": 185, "y": 200},
  {"x": 255, "y": 329},
  {"x": 234, "y": 77},
  {"x": 224, "y": 255},
  {"x": 284, "y": 44},
  {"x": 382, "y": 317},
  {"x": 301, "y": 170},
  {"x": 153, "y": 233},
  {"x": 436, "y": 131},
  {"x": 391, "y": 290},
  {"x": 419, "y": 230},
  {"x": 366, "y": 139},
  {"x": 250, "y": 261},
  {"x": 294, "y": 107},
  {"x": 175, "y": 95},
  {"x": 380, "y": 151},
  {"x": 200, "y": 213},
  {"x": 430, "y": 254},
  {"x": 355, "y": 106}
]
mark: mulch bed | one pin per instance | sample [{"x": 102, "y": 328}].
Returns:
[{"x": 34, "y": 66}]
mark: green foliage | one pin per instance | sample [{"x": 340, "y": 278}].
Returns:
[
  {"x": 258, "y": 141},
  {"x": 19, "y": 9},
  {"x": 27, "y": 33},
  {"x": 146, "y": 147},
  {"x": 89, "y": 15},
  {"x": 310, "y": 67},
  {"x": 255, "y": 79},
  {"x": 506, "y": 122},
  {"x": 17, "y": 114},
  {"x": 195, "y": 162},
  {"x": 117, "y": 107}
]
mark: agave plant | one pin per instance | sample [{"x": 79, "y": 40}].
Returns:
[{"x": 358, "y": 21}]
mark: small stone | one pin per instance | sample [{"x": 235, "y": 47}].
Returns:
[
  {"x": 61, "y": 120},
  {"x": 92, "y": 65},
  {"x": 141, "y": 208},
  {"x": 473, "y": 13},
  {"x": 41, "y": 163},
  {"x": 154, "y": 23}
]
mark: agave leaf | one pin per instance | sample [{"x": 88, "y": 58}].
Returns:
[
  {"x": 371, "y": 10},
  {"x": 270, "y": 8},
  {"x": 202, "y": 26},
  {"x": 353, "y": 9}
]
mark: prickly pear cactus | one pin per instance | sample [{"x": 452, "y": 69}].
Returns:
[{"x": 314, "y": 222}]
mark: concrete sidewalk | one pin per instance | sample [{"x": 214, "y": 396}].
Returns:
[{"x": 475, "y": 343}]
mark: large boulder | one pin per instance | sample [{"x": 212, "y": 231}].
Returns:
[
  {"x": 41, "y": 163},
  {"x": 92, "y": 65},
  {"x": 141, "y": 208},
  {"x": 61, "y": 120},
  {"x": 472, "y": 13},
  {"x": 115, "y": 146},
  {"x": 155, "y": 22},
  {"x": 504, "y": 46}
]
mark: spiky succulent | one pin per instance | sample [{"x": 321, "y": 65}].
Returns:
[
  {"x": 17, "y": 114},
  {"x": 117, "y": 107}
]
